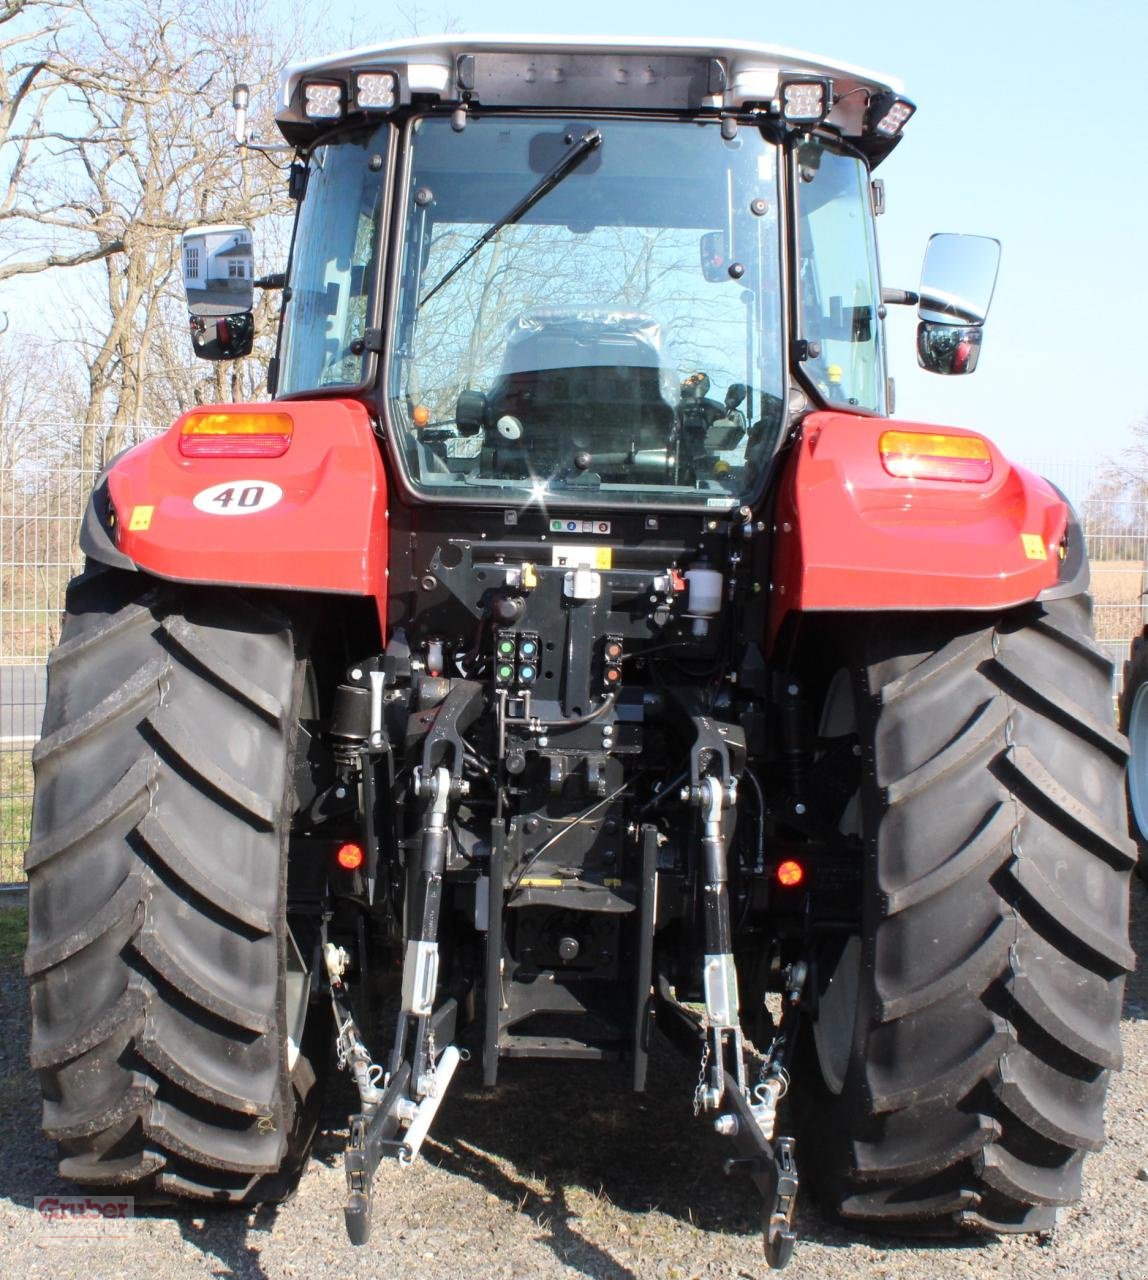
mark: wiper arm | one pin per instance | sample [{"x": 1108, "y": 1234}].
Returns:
[{"x": 589, "y": 141}]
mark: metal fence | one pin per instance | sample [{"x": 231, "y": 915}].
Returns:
[{"x": 40, "y": 510}]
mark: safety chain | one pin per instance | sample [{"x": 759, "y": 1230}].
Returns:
[
  {"x": 430, "y": 1071},
  {"x": 768, "y": 1069},
  {"x": 700, "y": 1087}
]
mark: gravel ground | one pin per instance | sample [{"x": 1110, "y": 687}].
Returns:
[{"x": 556, "y": 1177}]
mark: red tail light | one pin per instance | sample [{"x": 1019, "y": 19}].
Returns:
[
  {"x": 919, "y": 455},
  {"x": 235, "y": 435},
  {"x": 350, "y": 856},
  {"x": 790, "y": 874}
]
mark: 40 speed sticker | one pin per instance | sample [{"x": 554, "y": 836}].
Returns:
[{"x": 237, "y": 497}]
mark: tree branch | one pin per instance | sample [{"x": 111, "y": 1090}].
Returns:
[{"x": 62, "y": 260}]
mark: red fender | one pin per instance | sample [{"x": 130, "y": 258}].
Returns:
[
  {"x": 327, "y": 531},
  {"x": 848, "y": 535}
]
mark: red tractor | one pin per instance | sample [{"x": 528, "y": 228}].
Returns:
[{"x": 573, "y": 648}]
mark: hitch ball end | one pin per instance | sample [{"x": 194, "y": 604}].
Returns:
[{"x": 357, "y": 1216}]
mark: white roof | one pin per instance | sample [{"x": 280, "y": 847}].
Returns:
[
  {"x": 218, "y": 228},
  {"x": 429, "y": 63}
]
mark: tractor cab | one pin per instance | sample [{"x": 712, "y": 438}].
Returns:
[{"x": 591, "y": 285}]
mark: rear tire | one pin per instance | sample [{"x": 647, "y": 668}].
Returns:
[
  {"x": 1134, "y": 723},
  {"x": 975, "y": 1017},
  {"x": 157, "y": 888}
]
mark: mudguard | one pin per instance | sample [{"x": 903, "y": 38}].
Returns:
[
  {"x": 849, "y": 536},
  {"x": 313, "y": 519}
]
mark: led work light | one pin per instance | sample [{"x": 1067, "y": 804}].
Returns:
[
  {"x": 375, "y": 91},
  {"x": 806, "y": 101},
  {"x": 888, "y": 114},
  {"x": 323, "y": 100}
]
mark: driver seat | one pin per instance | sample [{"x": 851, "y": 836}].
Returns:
[{"x": 582, "y": 379}]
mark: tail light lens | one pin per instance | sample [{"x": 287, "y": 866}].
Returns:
[
  {"x": 790, "y": 873},
  {"x": 235, "y": 435},
  {"x": 920, "y": 455},
  {"x": 350, "y": 857}
]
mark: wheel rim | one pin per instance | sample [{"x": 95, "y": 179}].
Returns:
[
  {"x": 1138, "y": 760},
  {"x": 298, "y": 992},
  {"x": 837, "y": 1016},
  {"x": 836, "y": 1020},
  {"x": 298, "y": 978}
]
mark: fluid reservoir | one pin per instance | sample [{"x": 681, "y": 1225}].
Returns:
[{"x": 705, "y": 599}]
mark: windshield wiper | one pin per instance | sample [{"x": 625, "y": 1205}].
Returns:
[{"x": 588, "y": 142}]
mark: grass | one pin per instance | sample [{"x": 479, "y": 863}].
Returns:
[
  {"x": 1117, "y": 606},
  {"x": 13, "y": 932},
  {"x": 15, "y": 813}
]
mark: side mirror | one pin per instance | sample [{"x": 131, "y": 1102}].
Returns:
[
  {"x": 958, "y": 278},
  {"x": 471, "y": 413},
  {"x": 957, "y": 283},
  {"x": 715, "y": 257},
  {"x": 225, "y": 338},
  {"x": 948, "y": 348},
  {"x": 219, "y": 280}
]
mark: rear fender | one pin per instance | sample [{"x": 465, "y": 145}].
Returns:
[
  {"x": 849, "y": 536},
  {"x": 313, "y": 519}
]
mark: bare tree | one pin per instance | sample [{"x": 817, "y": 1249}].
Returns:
[
  {"x": 151, "y": 154},
  {"x": 41, "y": 391},
  {"x": 115, "y": 136},
  {"x": 43, "y": 229}
]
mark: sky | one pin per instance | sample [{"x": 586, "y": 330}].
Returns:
[{"x": 1028, "y": 128}]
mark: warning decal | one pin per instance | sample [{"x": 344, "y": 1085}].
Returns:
[{"x": 580, "y": 556}]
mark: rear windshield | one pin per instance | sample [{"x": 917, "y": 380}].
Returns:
[{"x": 621, "y": 336}]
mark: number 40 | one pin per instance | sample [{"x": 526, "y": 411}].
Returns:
[{"x": 250, "y": 496}]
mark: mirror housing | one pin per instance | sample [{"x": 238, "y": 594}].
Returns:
[
  {"x": 218, "y": 266},
  {"x": 948, "y": 348}
]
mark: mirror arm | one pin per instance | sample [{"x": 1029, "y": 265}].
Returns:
[
  {"x": 900, "y": 297},
  {"x": 273, "y": 280},
  {"x": 243, "y": 137}
]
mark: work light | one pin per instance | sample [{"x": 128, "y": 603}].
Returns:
[
  {"x": 375, "y": 91},
  {"x": 888, "y": 114},
  {"x": 323, "y": 100},
  {"x": 806, "y": 101}
]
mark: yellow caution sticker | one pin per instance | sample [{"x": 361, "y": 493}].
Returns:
[
  {"x": 140, "y": 519},
  {"x": 540, "y": 882},
  {"x": 582, "y": 556},
  {"x": 1034, "y": 548}
]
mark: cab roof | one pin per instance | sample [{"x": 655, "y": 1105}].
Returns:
[{"x": 578, "y": 72}]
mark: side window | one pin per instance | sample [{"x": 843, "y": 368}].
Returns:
[
  {"x": 838, "y": 292},
  {"x": 333, "y": 266}
]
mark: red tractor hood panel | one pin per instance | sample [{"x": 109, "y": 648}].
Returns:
[
  {"x": 313, "y": 519},
  {"x": 848, "y": 535}
]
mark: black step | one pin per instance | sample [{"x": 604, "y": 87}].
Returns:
[{"x": 511, "y": 1046}]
